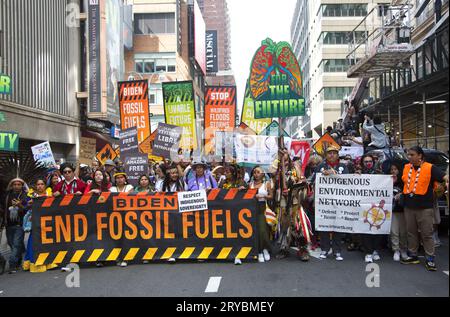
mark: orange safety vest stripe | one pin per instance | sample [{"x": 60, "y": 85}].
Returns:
[{"x": 423, "y": 182}]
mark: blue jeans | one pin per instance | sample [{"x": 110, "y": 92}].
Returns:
[{"x": 15, "y": 236}]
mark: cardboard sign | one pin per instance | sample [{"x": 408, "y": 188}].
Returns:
[
  {"x": 167, "y": 141},
  {"x": 323, "y": 143},
  {"x": 135, "y": 167},
  {"x": 9, "y": 141},
  {"x": 43, "y": 153},
  {"x": 107, "y": 153},
  {"x": 88, "y": 150},
  {"x": 192, "y": 201},
  {"x": 129, "y": 142}
]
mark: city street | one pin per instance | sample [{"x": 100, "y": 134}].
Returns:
[{"x": 279, "y": 278}]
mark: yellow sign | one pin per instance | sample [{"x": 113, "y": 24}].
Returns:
[
  {"x": 107, "y": 153},
  {"x": 248, "y": 117}
]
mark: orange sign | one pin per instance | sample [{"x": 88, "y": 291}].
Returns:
[
  {"x": 134, "y": 107},
  {"x": 107, "y": 153},
  {"x": 323, "y": 143},
  {"x": 220, "y": 113},
  {"x": 146, "y": 147}
]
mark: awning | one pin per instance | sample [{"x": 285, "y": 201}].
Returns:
[{"x": 102, "y": 139}]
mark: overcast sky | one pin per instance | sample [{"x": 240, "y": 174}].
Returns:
[{"x": 252, "y": 21}]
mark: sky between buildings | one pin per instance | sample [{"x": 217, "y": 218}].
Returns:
[{"x": 252, "y": 21}]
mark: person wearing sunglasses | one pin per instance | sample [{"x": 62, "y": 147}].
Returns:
[{"x": 70, "y": 184}]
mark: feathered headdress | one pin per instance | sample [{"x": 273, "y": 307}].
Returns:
[{"x": 20, "y": 165}]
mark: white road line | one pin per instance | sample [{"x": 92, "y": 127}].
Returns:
[
  {"x": 446, "y": 272},
  {"x": 213, "y": 284}
]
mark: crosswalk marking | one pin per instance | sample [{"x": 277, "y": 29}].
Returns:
[{"x": 213, "y": 284}]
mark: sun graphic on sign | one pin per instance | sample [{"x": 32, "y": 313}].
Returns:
[{"x": 376, "y": 216}]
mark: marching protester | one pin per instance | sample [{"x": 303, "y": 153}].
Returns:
[
  {"x": 377, "y": 133},
  {"x": 145, "y": 186},
  {"x": 70, "y": 184},
  {"x": 232, "y": 179},
  {"x": 39, "y": 190},
  {"x": 53, "y": 181},
  {"x": 160, "y": 174},
  {"x": 331, "y": 166},
  {"x": 110, "y": 167},
  {"x": 201, "y": 179},
  {"x": 371, "y": 242},
  {"x": 16, "y": 206},
  {"x": 398, "y": 226},
  {"x": 419, "y": 178},
  {"x": 121, "y": 184},
  {"x": 99, "y": 185},
  {"x": 172, "y": 182},
  {"x": 259, "y": 182}
]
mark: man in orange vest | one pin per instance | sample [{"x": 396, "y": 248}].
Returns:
[{"x": 419, "y": 178}]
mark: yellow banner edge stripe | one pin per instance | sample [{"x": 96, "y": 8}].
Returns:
[
  {"x": 114, "y": 254},
  {"x": 150, "y": 254},
  {"x": 131, "y": 254},
  {"x": 168, "y": 254},
  {"x": 224, "y": 253},
  {"x": 187, "y": 253},
  {"x": 41, "y": 259},
  {"x": 244, "y": 253},
  {"x": 205, "y": 253},
  {"x": 60, "y": 257},
  {"x": 95, "y": 255},
  {"x": 77, "y": 256}
]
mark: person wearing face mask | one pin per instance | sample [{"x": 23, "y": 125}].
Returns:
[
  {"x": 331, "y": 166},
  {"x": 419, "y": 178},
  {"x": 371, "y": 242}
]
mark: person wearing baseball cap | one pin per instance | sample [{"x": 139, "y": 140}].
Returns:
[{"x": 331, "y": 166}]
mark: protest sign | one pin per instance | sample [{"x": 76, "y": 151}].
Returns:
[
  {"x": 353, "y": 151},
  {"x": 167, "y": 141},
  {"x": 323, "y": 143},
  {"x": 107, "y": 153},
  {"x": 256, "y": 149},
  {"x": 88, "y": 149},
  {"x": 9, "y": 141},
  {"x": 300, "y": 149},
  {"x": 129, "y": 142},
  {"x": 43, "y": 153},
  {"x": 137, "y": 227},
  {"x": 192, "y": 201},
  {"x": 354, "y": 203},
  {"x": 136, "y": 166},
  {"x": 248, "y": 115}
]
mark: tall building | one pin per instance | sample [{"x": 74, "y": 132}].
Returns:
[
  {"x": 40, "y": 52},
  {"x": 320, "y": 34},
  {"x": 218, "y": 42}
]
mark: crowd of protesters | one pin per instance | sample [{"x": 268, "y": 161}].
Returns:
[{"x": 283, "y": 190}]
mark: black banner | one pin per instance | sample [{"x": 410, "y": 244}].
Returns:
[{"x": 121, "y": 226}]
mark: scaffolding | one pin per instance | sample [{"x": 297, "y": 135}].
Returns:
[{"x": 386, "y": 43}]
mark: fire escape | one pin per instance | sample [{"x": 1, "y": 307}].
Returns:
[{"x": 385, "y": 44}]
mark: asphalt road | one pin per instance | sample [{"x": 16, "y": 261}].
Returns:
[{"x": 277, "y": 278}]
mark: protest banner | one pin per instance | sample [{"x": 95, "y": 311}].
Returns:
[
  {"x": 107, "y": 153},
  {"x": 43, "y": 153},
  {"x": 323, "y": 143},
  {"x": 129, "y": 142},
  {"x": 220, "y": 113},
  {"x": 167, "y": 141},
  {"x": 354, "y": 203},
  {"x": 88, "y": 149},
  {"x": 256, "y": 149},
  {"x": 179, "y": 110},
  {"x": 192, "y": 201},
  {"x": 354, "y": 151},
  {"x": 123, "y": 226},
  {"x": 276, "y": 87},
  {"x": 9, "y": 141},
  {"x": 134, "y": 107},
  {"x": 136, "y": 165},
  {"x": 248, "y": 115}
]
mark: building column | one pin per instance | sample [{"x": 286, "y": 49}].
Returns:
[{"x": 425, "y": 126}]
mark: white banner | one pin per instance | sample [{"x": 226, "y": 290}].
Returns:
[
  {"x": 192, "y": 201},
  {"x": 354, "y": 203},
  {"x": 353, "y": 151},
  {"x": 256, "y": 149},
  {"x": 43, "y": 153}
]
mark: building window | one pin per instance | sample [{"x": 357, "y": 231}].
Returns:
[
  {"x": 154, "y": 23},
  {"x": 337, "y": 65},
  {"x": 336, "y": 93},
  {"x": 344, "y": 10},
  {"x": 341, "y": 38},
  {"x": 155, "y": 63},
  {"x": 156, "y": 95}
]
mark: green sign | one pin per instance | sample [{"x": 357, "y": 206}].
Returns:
[
  {"x": 9, "y": 141},
  {"x": 5, "y": 84},
  {"x": 274, "y": 130},
  {"x": 275, "y": 82},
  {"x": 2, "y": 117}
]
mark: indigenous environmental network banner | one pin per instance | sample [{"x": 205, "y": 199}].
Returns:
[
  {"x": 179, "y": 109},
  {"x": 220, "y": 113},
  {"x": 354, "y": 203},
  {"x": 137, "y": 227},
  {"x": 134, "y": 107}
]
